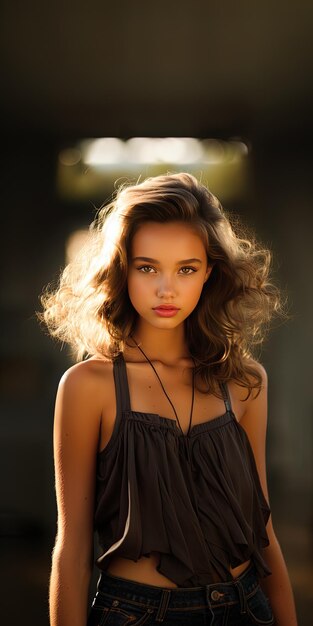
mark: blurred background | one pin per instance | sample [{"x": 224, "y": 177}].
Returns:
[{"x": 225, "y": 91}]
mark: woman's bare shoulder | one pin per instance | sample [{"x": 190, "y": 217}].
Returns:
[
  {"x": 91, "y": 378},
  {"x": 261, "y": 369},
  {"x": 239, "y": 393},
  {"x": 87, "y": 371}
]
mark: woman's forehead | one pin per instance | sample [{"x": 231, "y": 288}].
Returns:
[{"x": 178, "y": 235}]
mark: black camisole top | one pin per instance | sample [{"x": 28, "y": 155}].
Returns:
[{"x": 196, "y": 499}]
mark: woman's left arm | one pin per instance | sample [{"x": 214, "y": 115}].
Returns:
[{"x": 277, "y": 585}]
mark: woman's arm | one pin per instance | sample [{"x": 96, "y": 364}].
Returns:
[
  {"x": 76, "y": 436},
  {"x": 277, "y": 585}
]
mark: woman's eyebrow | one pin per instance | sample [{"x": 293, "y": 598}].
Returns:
[{"x": 147, "y": 259}]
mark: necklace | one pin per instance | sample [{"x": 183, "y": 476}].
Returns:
[{"x": 166, "y": 394}]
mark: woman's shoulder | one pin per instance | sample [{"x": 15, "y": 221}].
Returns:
[
  {"x": 255, "y": 366},
  {"x": 81, "y": 400},
  {"x": 90, "y": 378},
  {"x": 88, "y": 367},
  {"x": 239, "y": 393}
]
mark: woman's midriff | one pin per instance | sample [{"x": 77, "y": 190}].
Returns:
[{"x": 144, "y": 570}]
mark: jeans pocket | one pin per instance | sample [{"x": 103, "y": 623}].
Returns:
[
  {"x": 259, "y": 608},
  {"x": 109, "y": 611}
]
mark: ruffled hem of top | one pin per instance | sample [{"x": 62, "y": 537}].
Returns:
[{"x": 196, "y": 500}]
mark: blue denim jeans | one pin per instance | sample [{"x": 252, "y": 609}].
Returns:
[{"x": 121, "y": 602}]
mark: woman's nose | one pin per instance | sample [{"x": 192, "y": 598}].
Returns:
[{"x": 165, "y": 288}]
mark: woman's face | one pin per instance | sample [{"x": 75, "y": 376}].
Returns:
[{"x": 167, "y": 270}]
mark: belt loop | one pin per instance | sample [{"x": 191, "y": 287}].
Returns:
[
  {"x": 207, "y": 593},
  {"x": 242, "y": 596},
  {"x": 165, "y": 598}
]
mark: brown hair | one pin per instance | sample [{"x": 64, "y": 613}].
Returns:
[{"x": 90, "y": 308}]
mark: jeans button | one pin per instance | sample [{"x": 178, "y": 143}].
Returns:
[
  {"x": 216, "y": 595},
  {"x": 115, "y": 603}
]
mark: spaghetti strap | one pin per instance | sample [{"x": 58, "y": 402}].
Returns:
[
  {"x": 226, "y": 396},
  {"x": 121, "y": 385}
]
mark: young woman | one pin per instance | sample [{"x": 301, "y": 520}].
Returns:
[{"x": 160, "y": 427}]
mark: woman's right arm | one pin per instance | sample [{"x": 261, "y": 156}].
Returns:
[{"x": 76, "y": 437}]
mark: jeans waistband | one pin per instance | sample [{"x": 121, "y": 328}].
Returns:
[{"x": 214, "y": 594}]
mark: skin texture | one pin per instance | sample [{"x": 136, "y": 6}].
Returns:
[{"x": 85, "y": 413}]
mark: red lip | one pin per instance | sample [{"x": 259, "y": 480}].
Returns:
[
  {"x": 166, "y": 307},
  {"x": 166, "y": 310}
]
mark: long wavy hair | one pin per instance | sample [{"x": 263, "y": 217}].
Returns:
[{"x": 90, "y": 308}]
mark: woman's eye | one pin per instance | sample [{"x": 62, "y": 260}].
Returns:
[
  {"x": 188, "y": 270},
  {"x": 146, "y": 269}
]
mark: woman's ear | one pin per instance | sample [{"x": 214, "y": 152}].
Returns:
[{"x": 208, "y": 272}]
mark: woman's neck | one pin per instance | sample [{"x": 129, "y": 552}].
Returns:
[{"x": 166, "y": 346}]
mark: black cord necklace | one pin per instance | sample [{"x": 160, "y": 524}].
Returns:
[{"x": 169, "y": 399}]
